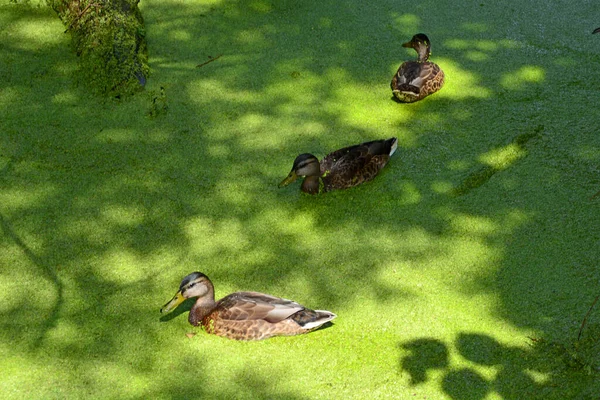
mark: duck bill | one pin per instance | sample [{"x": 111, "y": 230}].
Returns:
[
  {"x": 175, "y": 301},
  {"x": 289, "y": 179},
  {"x": 407, "y": 44}
]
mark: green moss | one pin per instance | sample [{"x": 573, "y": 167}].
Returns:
[
  {"x": 106, "y": 205},
  {"x": 110, "y": 40}
]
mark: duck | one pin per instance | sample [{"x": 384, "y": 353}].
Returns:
[
  {"x": 244, "y": 315},
  {"x": 343, "y": 168},
  {"x": 416, "y": 80},
  {"x": 596, "y": 30}
]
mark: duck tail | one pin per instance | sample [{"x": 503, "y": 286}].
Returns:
[
  {"x": 393, "y": 143},
  {"x": 313, "y": 319}
]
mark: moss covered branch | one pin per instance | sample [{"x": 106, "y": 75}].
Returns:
[{"x": 109, "y": 37}]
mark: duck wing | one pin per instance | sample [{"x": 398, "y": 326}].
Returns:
[
  {"x": 256, "y": 306},
  {"x": 350, "y": 154},
  {"x": 353, "y": 165},
  {"x": 412, "y": 75},
  {"x": 338, "y": 158}
]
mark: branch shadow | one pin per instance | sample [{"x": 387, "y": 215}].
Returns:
[{"x": 44, "y": 270}]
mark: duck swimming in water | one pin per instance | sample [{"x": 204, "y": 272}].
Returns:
[
  {"x": 342, "y": 168},
  {"x": 244, "y": 315},
  {"x": 416, "y": 80}
]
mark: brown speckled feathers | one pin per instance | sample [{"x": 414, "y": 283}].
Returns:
[
  {"x": 256, "y": 316},
  {"x": 415, "y": 80},
  {"x": 356, "y": 164},
  {"x": 255, "y": 306}
]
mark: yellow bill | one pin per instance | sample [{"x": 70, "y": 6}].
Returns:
[
  {"x": 289, "y": 179},
  {"x": 175, "y": 301}
]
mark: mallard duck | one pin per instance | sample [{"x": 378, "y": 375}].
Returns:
[
  {"x": 343, "y": 168},
  {"x": 596, "y": 30},
  {"x": 244, "y": 315},
  {"x": 417, "y": 79}
]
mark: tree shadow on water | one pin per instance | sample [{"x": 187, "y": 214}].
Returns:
[
  {"x": 543, "y": 370},
  {"x": 101, "y": 197}
]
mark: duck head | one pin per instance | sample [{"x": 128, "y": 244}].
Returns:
[
  {"x": 195, "y": 284},
  {"x": 420, "y": 42},
  {"x": 305, "y": 165}
]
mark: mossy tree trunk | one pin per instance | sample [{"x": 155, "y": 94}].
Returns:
[{"x": 109, "y": 37}]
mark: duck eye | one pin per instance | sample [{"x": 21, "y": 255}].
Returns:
[{"x": 192, "y": 284}]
